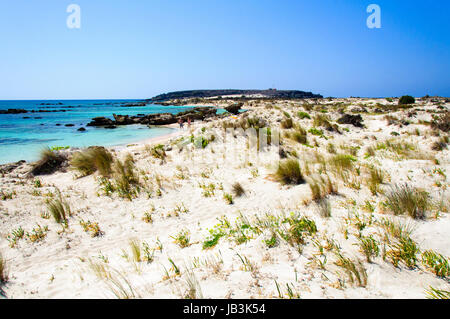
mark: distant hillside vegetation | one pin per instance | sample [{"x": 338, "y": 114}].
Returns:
[{"x": 271, "y": 93}]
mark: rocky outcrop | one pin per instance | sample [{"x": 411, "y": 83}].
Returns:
[
  {"x": 198, "y": 113},
  {"x": 20, "y": 111},
  {"x": 234, "y": 109},
  {"x": 100, "y": 121},
  {"x": 270, "y": 93},
  {"x": 13, "y": 111}
]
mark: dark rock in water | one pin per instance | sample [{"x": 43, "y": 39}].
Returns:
[
  {"x": 49, "y": 163},
  {"x": 110, "y": 126},
  {"x": 158, "y": 119},
  {"x": 134, "y": 104},
  {"x": 69, "y": 125},
  {"x": 13, "y": 111},
  {"x": 81, "y": 129},
  {"x": 57, "y": 124},
  {"x": 122, "y": 119},
  {"x": 355, "y": 120},
  {"x": 26, "y": 117},
  {"x": 38, "y": 118},
  {"x": 100, "y": 121},
  {"x": 234, "y": 109}
]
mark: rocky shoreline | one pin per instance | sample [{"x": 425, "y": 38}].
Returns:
[{"x": 197, "y": 113}]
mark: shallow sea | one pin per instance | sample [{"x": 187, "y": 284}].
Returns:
[{"x": 23, "y": 136}]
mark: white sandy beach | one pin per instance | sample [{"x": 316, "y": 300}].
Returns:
[{"x": 68, "y": 263}]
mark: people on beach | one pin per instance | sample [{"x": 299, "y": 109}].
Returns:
[
  {"x": 180, "y": 121},
  {"x": 189, "y": 122}
]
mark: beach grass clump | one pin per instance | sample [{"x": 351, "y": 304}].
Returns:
[
  {"x": 90, "y": 227},
  {"x": 91, "y": 160},
  {"x": 303, "y": 115},
  {"x": 299, "y": 229},
  {"x": 157, "y": 151},
  {"x": 126, "y": 182},
  {"x": 316, "y": 132},
  {"x": 355, "y": 270},
  {"x": 38, "y": 233},
  {"x": 287, "y": 123},
  {"x": 441, "y": 144},
  {"x": 321, "y": 187},
  {"x": 442, "y": 122},
  {"x": 410, "y": 200},
  {"x": 342, "y": 162},
  {"x": 405, "y": 250},
  {"x": 49, "y": 162},
  {"x": 324, "y": 207},
  {"x": 289, "y": 172},
  {"x": 213, "y": 239},
  {"x": 237, "y": 189},
  {"x": 433, "y": 293},
  {"x": 376, "y": 178},
  {"x": 369, "y": 247},
  {"x": 437, "y": 263},
  {"x": 182, "y": 239},
  {"x": 59, "y": 208},
  {"x": 298, "y": 135},
  {"x": 395, "y": 228},
  {"x": 228, "y": 198}
]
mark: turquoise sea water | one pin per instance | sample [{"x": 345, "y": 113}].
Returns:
[{"x": 23, "y": 136}]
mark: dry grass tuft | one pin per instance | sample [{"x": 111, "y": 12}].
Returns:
[
  {"x": 289, "y": 172},
  {"x": 91, "y": 160}
]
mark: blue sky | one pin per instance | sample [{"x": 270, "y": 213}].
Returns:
[{"x": 141, "y": 48}]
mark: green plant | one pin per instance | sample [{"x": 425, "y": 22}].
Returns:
[
  {"x": 316, "y": 132},
  {"x": 406, "y": 250},
  {"x": 228, "y": 198},
  {"x": 38, "y": 233},
  {"x": 437, "y": 263},
  {"x": 182, "y": 239},
  {"x": 157, "y": 151},
  {"x": 406, "y": 99},
  {"x": 299, "y": 228},
  {"x": 303, "y": 115},
  {"x": 369, "y": 247},
  {"x": 90, "y": 227},
  {"x": 37, "y": 183},
  {"x": 409, "y": 200},
  {"x": 289, "y": 172},
  {"x": 433, "y": 293},
  {"x": 355, "y": 271}
]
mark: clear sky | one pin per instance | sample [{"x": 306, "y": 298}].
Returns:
[{"x": 141, "y": 48}]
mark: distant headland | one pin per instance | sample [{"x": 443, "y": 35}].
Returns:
[{"x": 269, "y": 93}]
